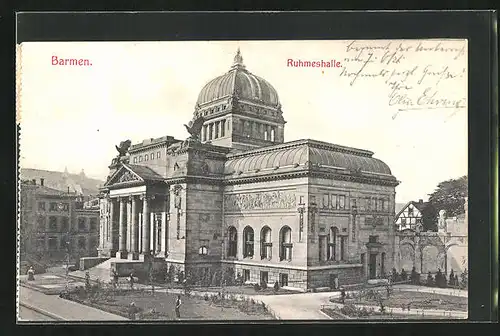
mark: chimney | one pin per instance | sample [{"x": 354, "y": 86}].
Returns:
[
  {"x": 41, "y": 181},
  {"x": 420, "y": 201}
]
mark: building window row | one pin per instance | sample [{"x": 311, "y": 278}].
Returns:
[
  {"x": 211, "y": 110},
  {"x": 336, "y": 245},
  {"x": 54, "y": 206},
  {"x": 214, "y": 130},
  {"x": 334, "y": 201},
  {"x": 285, "y": 243},
  {"x": 258, "y": 130},
  {"x": 147, "y": 157},
  {"x": 340, "y": 202}
]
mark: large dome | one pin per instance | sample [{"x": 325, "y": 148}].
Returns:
[{"x": 242, "y": 84}]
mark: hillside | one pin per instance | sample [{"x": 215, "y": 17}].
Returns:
[{"x": 78, "y": 183}]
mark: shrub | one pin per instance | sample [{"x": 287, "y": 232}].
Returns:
[
  {"x": 206, "y": 297},
  {"x": 256, "y": 287}
]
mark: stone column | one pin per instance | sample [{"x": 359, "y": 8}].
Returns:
[
  {"x": 111, "y": 223},
  {"x": 164, "y": 227},
  {"x": 146, "y": 227},
  {"x": 134, "y": 228},
  {"x": 123, "y": 231}
]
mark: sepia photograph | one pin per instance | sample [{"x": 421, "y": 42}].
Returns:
[{"x": 250, "y": 180}]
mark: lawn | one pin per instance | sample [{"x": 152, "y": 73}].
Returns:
[
  {"x": 416, "y": 300},
  {"x": 247, "y": 290},
  {"x": 160, "y": 306}
]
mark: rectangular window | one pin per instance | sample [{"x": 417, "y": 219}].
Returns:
[
  {"x": 334, "y": 202},
  {"x": 325, "y": 201},
  {"x": 41, "y": 223},
  {"x": 283, "y": 279},
  {"x": 341, "y": 202},
  {"x": 313, "y": 199},
  {"x": 82, "y": 243},
  {"x": 53, "y": 206},
  {"x": 403, "y": 221},
  {"x": 53, "y": 223},
  {"x": 342, "y": 247},
  {"x": 52, "y": 243},
  {"x": 81, "y": 224},
  {"x": 223, "y": 128},
  {"x": 373, "y": 239},
  {"x": 217, "y": 127},
  {"x": 385, "y": 205},
  {"x": 373, "y": 206},
  {"x": 65, "y": 224},
  {"x": 264, "y": 277},
  {"x": 93, "y": 224},
  {"x": 40, "y": 244},
  {"x": 41, "y": 205},
  {"x": 301, "y": 199},
  {"x": 246, "y": 275}
]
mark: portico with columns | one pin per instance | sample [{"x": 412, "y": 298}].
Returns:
[{"x": 138, "y": 209}]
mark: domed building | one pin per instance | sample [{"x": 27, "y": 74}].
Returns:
[{"x": 235, "y": 200}]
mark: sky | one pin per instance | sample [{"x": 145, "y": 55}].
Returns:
[{"x": 403, "y": 100}]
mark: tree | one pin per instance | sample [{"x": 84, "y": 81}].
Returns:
[
  {"x": 450, "y": 195},
  {"x": 429, "y": 217}
]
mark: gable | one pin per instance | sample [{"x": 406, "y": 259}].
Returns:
[{"x": 124, "y": 175}]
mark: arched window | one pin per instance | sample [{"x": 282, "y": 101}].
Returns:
[
  {"x": 286, "y": 243},
  {"x": 232, "y": 242},
  {"x": 248, "y": 242},
  {"x": 265, "y": 243},
  {"x": 332, "y": 243}
]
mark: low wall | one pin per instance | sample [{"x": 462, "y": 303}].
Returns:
[
  {"x": 139, "y": 268},
  {"x": 89, "y": 262},
  {"x": 350, "y": 274}
]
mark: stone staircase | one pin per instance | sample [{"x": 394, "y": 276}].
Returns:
[{"x": 101, "y": 271}]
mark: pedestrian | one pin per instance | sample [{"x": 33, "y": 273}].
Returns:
[
  {"x": 178, "y": 306},
  {"x": 131, "y": 280},
  {"x": 115, "y": 278},
  {"x": 132, "y": 310},
  {"x": 31, "y": 274},
  {"x": 342, "y": 294},
  {"x": 336, "y": 282}
]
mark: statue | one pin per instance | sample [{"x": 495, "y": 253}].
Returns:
[
  {"x": 123, "y": 148},
  {"x": 194, "y": 127},
  {"x": 442, "y": 220}
]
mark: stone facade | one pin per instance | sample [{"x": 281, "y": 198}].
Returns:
[
  {"x": 294, "y": 212},
  {"x": 50, "y": 219}
]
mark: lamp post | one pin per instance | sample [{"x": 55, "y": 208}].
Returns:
[
  {"x": 61, "y": 206},
  {"x": 354, "y": 210}
]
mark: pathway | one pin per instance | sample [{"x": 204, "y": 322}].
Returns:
[{"x": 61, "y": 308}]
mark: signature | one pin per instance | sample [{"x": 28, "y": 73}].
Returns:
[{"x": 418, "y": 75}]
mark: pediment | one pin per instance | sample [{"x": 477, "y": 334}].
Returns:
[{"x": 124, "y": 175}]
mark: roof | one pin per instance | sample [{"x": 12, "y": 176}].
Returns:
[
  {"x": 46, "y": 191},
  {"x": 420, "y": 207},
  {"x": 57, "y": 180},
  {"x": 306, "y": 152},
  {"x": 240, "y": 82},
  {"x": 135, "y": 174},
  {"x": 144, "y": 172}
]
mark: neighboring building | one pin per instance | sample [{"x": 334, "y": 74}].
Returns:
[
  {"x": 77, "y": 183},
  {"x": 410, "y": 215},
  {"x": 49, "y": 219},
  {"x": 302, "y": 213}
]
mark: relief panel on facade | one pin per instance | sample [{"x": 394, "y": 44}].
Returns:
[{"x": 260, "y": 201}]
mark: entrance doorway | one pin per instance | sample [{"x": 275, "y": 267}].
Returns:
[
  {"x": 283, "y": 279},
  {"x": 334, "y": 281},
  {"x": 373, "y": 265}
]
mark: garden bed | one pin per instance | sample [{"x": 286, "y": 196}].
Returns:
[
  {"x": 416, "y": 300},
  {"x": 337, "y": 315},
  {"x": 160, "y": 306}
]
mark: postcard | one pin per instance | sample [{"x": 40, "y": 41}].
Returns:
[{"x": 243, "y": 180}]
